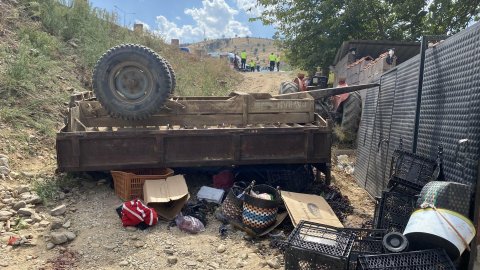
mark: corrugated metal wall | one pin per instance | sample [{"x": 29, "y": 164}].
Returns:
[
  {"x": 449, "y": 112},
  {"x": 381, "y": 133},
  {"x": 365, "y": 136}
]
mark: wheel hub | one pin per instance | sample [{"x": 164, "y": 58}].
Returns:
[{"x": 131, "y": 82}]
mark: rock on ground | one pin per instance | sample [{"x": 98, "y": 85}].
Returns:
[
  {"x": 50, "y": 245},
  {"x": 274, "y": 263},
  {"x": 26, "y": 212},
  {"x": 221, "y": 248},
  {"x": 59, "y": 210},
  {"x": 172, "y": 259},
  {"x": 70, "y": 236},
  {"x": 5, "y": 215},
  {"x": 58, "y": 238},
  {"x": 18, "y": 205}
]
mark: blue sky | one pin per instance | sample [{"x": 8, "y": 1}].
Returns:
[{"x": 191, "y": 20}]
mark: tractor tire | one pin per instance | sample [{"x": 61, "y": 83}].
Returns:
[
  {"x": 288, "y": 87},
  {"x": 173, "y": 76},
  {"x": 131, "y": 82},
  {"x": 352, "y": 112}
]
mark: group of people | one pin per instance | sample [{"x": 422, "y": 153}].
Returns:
[
  {"x": 255, "y": 65},
  {"x": 274, "y": 60}
]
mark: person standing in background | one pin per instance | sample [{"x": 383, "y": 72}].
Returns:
[
  {"x": 272, "y": 60},
  {"x": 277, "y": 60},
  {"x": 243, "y": 55},
  {"x": 252, "y": 65}
]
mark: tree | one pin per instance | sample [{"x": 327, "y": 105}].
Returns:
[{"x": 311, "y": 31}]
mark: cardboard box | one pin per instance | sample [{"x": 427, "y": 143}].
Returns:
[
  {"x": 309, "y": 207},
  {"x": 166, "y": 196}
]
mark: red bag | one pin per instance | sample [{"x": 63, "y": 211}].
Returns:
[
  {"x": 135, "y": 212},
  {"x": 223, "y": 179}
]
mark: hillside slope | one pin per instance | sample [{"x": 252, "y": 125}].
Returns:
[{"x": 48, "y": 51}]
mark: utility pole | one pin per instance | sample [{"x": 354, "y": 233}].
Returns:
[{"x": 124, "y": 14}]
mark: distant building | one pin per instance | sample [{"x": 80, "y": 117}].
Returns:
[
  {"x": 138, "y": 28},
  {"x": 175, "y": 42}
]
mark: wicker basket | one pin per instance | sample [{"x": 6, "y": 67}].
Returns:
[
  {"x": 129, "y": 184},
  {"x": 232, "y": 206},
  {"x": 259, "y": 214}
]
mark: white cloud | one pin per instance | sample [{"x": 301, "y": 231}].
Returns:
[
  {"x": 178, "y": 18},
  {"x": 214, "y": 19}
]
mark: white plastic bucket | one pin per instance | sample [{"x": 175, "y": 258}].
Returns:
[{"x": 427, "y": 229}]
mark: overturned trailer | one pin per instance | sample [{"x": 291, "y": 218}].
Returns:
[
  {"x": 134, "y": 120},
  {"x": 241, "y": 129}
]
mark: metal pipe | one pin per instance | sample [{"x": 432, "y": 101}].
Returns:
[
  {"x": 423, "y": 48},
  {"x": 317, "y": 93}
]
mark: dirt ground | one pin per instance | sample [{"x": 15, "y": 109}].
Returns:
[
  {"x": 101, "y": 242},
  {"x": 263, "y": 82}
]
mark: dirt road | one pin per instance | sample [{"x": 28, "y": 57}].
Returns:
[{"x": 263, "y": 82}]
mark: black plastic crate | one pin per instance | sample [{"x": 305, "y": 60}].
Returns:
[
  {"x": 411, "y": 171},
  {"x": 393, "y": 211},
  {"x": 299, "y": 259},
  {"x": 434, "y": 259},
  {"x": 367, "y": 241},
  {"x": 404, "y": 190},
  {"x": 318, "y": 246}
]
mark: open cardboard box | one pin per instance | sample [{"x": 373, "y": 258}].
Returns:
[
  {"x": 310, "y": 208},
  {"x": 166, "y": 196}
]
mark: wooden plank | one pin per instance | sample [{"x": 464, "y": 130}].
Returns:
[
  {"x": 277, "y": 106},
  {"x": 75, "y": 120},
  {"x": 183, "y": 98},
  {"x": 261, "y": 95},
  {"x": 245, "y": 105},
  {"x": 279, "y": 118},
  {"x": 234, "y": 106},
  {"x": 196, "y": 120},
  {"x": 163, "y": 120}
]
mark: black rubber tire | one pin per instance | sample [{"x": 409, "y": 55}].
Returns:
[
  {"x": 173, "y": 76},
  {"x": 288, "y": 87},
  {"x": 352, "y": 112},
  {"x": 134, "y": 70}
]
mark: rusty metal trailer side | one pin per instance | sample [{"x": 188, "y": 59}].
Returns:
[
  {"x": 109, "y": 150},
  {"x": 242, "y": 129}
]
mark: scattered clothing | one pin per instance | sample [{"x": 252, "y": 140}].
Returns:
[{"x": 134, "y": 212}]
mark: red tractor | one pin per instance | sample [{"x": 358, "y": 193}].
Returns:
[{"x": 344, "y": 109}]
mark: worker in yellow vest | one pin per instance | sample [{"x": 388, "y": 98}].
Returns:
[
  {"x": 252, "y": 65},
  {"x": 277, "y": 60},
  {"x": 243, "y": 55},
  {"x": 272, "y": 59}
]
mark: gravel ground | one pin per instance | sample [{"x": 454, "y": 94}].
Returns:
[{"x": 88, "y": 233}]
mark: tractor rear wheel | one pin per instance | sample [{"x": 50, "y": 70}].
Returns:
[
  {"x": 352, "y": 112},
  {"x": 131, "y": 82},
  {"x": 288, "y": 87}
]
